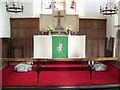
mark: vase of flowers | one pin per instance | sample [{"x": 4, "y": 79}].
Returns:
[
  {"x": 69, "y": 30},
  {"x": 49, "y": 29},
  {"x": 49, "y": 32},
  {"x": 69, "y": 33}
]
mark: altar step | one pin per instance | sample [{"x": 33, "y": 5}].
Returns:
[
  {"x": 97, "y": 87},
  {"x": 59, "y": 80},
  {"x": 64, "y": 67}
]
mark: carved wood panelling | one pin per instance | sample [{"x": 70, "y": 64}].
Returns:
[
  {"x": 23, "y": 29},
  {"x": 95, "y": 31}
]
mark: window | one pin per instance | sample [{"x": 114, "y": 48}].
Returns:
[
  {"x": 48, "y": 6},
  {"x": 70, "y": 7}
]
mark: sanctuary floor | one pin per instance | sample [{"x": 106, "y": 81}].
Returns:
[{"x": 60, "y": 78}]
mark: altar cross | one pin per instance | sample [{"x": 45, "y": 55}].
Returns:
[{"x": 59, "y": 27}]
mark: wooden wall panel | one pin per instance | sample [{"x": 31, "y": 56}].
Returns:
[
  {"x": 4, "y": 47},
  {"x": 109, "y": 47},
  {"x": 101, "y": 48},
  {"x": 95, "y": 46},
  {"x": 4, "y": 50},
  {"x": 95, "y": 31},
  {"x": 0, "y": 48},
  {"x": 23, "y": 29},
  {"x": 28, "y": 47},
  {"x": 88, "y": 47}
]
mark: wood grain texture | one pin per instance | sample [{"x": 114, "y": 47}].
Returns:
[
  {"x": 61, "y": 59},
  {"x": 95, "y": 31},
  {"x": 109, "y": 47},
  {"x": 23, "y": 30},
  {"x": 4, "y": 47},
  {"x": 117, "y": 49}
]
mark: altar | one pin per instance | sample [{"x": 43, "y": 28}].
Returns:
[{"x": 59, "y": 46}]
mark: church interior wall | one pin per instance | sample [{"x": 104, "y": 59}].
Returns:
[
  {"x": 22, "y": 31},
  {"x": 111, "y": 30},
  {"x": 119, "y": 13},
  {"x": 32, "y": 9},
  {"x": 112, "y": 21},
  {"x": 4, "y": 32},
  {"x": 0, "y": 51},
  {"x": 4, "y": 49},
  {"x": 94, "y": 6},
  {"x": 28, "y": 11},
  {"x": 4, "y": 22}
]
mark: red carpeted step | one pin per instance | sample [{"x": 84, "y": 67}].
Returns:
[
  {"x": 10, "y": 78},
  {"x": 13, "y": 78},
  {"x": 65, "y": 78}
]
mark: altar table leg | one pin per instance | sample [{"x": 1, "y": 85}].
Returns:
[
  {"x": 38, "y": 68},
  {"x": 90, "y": 70}
]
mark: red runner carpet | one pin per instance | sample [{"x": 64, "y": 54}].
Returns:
[{"x": 10, "y": 78}]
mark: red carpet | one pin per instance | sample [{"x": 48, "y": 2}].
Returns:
[{"x": 60, "y": 78}]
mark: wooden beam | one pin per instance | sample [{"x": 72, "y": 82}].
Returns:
[{"x": 60, "y": 59}]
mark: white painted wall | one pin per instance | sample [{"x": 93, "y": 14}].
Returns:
[
  {"x": 36, "y": 8},
  {"x": 28, "y": 10},
  {"x": 119, "y": 13},
  {"x": 4, "y": 22},
  {"x": 92, "y": 9},
  {"x": 111, "y": 22},
  {"x": 85, "y": 9}
]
